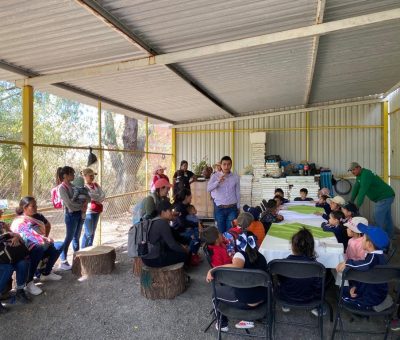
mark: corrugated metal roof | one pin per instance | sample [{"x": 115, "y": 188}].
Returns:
[
  {"x": 171, "y": 25},
  {"x": 357, "y": 62},
  {"x": 51, "y": 35},
  {"x": 156, "y": 90},
  {"x": 257, "y": 78}
]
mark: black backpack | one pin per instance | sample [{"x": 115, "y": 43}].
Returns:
[{"x": 11, "y": 254}]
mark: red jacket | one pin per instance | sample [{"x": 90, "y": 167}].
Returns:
[{"x": 219, "y": 255}]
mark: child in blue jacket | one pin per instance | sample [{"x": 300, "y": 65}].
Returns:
[{"x": 364, "y": 296}]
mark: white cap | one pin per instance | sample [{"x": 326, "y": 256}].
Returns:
[
  {"x": 353, "y": 223},
  {"x": 337, "y": 199}
]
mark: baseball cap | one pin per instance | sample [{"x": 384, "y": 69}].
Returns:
[
  {"x": 353, "y": 223},
  {"x": 88, "y": 171},
  {"x": 376, "y": 234},
  {"x": 353, "y": 165},
  {"x": 338, "y": 200},
  {"x": 162, "y": 182}
]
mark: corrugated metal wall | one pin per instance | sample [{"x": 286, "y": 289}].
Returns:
[
  {"x": 394, "y": 117},
  {"x": 337, "y": 136}
]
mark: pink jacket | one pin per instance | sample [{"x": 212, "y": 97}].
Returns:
[{"x": 355, "y": 249}]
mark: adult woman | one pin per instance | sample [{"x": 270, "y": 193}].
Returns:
[
  {"x": 183, "y": 178},
  {"x": 94, "y": 208},
  {"x": 72, "y": 215},
  {"x": 150, "y": 203},
  {"x": 158, "y": 174},
  {"x": 33, "y": 233},
  {"x": 165, "y": 251},
  {"x": 185, "y": 231},
  {"x": 20, "y": 268},
  {"x": 247, "y": 257}
]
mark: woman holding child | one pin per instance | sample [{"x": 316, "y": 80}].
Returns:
[{"x": 32, "y": 231}]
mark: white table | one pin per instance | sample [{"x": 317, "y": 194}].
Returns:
[{"x": 329, "y": 251}]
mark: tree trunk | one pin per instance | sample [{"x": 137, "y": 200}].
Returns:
[
  {"x": 94, "y": 260},
  {"x": 162, "y": 283}
]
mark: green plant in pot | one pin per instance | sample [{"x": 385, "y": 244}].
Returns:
[{"x": 202, "y": 169}]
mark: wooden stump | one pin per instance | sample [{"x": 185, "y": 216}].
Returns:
[
  {"x": 137, "y": 266},
  {"x": 162, "y": 283},
  {"x": 94, "y": 260}
]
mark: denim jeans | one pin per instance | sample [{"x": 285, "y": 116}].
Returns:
[
  {"x": 73, "y": 223},
  {"x": 224, "y": 217},
  {"x": 6, "y": 270},
  {"x": 90, "y": 225},
  {"x": 39, "y": 252},
  {"x": 193, "y": 240},
  {"x": 383, "y": 215}
]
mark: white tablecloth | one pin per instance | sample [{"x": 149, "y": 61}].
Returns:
[{"x": 329, "y": 251}]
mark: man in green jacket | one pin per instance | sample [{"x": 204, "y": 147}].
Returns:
[{"x": 371, "y": 185}]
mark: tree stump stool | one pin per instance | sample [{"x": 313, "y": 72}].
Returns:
[
  {"x": 137, "y": 266},
  {"x": 162, "y": 283},
  {"x": 94, "y": 260}
]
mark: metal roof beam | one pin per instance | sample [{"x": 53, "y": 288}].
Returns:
[
  {"x": 100, "y": 12},
  {"x": 318, "y": 20},
  {"x": 180, "y": 56},
  {"x": 27, "y": 73}
]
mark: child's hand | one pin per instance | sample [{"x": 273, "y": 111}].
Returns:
[
  {"x": 340, "y": 267},
  {"x": 209, "y": 277},
  {"x": 353, "y": 292}
]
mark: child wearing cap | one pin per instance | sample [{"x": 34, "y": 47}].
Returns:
[
  {"x": 335, "y": 204},
  {"x": 336, "y": 226},
  {"x": 349, "y": 210},
  {"x": 303, "y": 196},
  {"x": 355, "y": 250},
  {"x": 361, "y": 295},
  {"x": 216, "y": 245},
  {"x": 256, "y": 227}
]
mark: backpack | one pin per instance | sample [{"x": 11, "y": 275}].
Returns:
[
  {"x": 11, "y": 254},
  {"x": 138, "y": 238},
  {"x": 55, "y": 196}
]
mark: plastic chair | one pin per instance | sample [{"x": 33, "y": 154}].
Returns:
[
  {"x": 300, "y": 270},
  {"x": 243, "y": 278},
  {"x": 390, "y": 251},
  {"x": 207, "y": 254},
  {"x": 376, "y": 275}
]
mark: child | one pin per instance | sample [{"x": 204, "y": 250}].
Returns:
[
  {"x": 349, "y": 210},
  {"x": 335, "y": 204},
  {"x": 322, "y": 203},
  {"x": 193, "y": 233},
  {"x": 243, "y": 222},
  {"x": 80, "y": 193},
  {"x": 279, "y": 191},
  {"x": 256, "y": 227},
  {"x": 303, "y": 196},
  {"x": 365, "y": 296},
  {"x": 300, "y": 290},
  {"x": 355, "y": 250},
  {"x": 216, "y": 245},
  {"x": 336, "y": 226},
  {"x": 192, "y": 216},
  {"x": 268, "y": 216},
  {"x": 279, "y": 206}
]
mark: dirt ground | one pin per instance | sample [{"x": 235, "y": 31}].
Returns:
[{"x": 111, "y": 307}]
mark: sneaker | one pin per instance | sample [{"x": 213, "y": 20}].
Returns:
[
  {"x": 50, "y": 277},
  {"x": 64, "y": 266},
  {"x": 395, "y": 325},
  {"x": 31, "y": 288},
  {"x": 21, "y": 296},
  {"x": 3, "y": 309},
  {"x": 315, "y": 311},
  {"x": 224, "y": 329},
  {"x": 285, "y": 309},
  {"x": 245, "y": 324}
]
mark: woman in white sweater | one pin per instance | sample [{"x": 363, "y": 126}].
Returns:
[{"x": 94, "y": 209}]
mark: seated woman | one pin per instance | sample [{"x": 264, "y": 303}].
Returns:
[
  {"x": 165, "y": 251},
  {"x": 184, "y": 230},
  {"x": 160, "y": 194},
  {"x": 20, "y": 268},
  {"x": 33, "y": 233},
  {"x": 247, "y": 257}
]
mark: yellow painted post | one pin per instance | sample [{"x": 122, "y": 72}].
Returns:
[
  {"x": 307, "y": 136},
  {"x": 27, "y": 138},
  {"x": 147, "y": 153},
  {"x": 233, "y": 144},
  {"x": 173, "y": 157},
  {"x": 100, "y": 159},
  {"x": 385, "y": 141}
]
